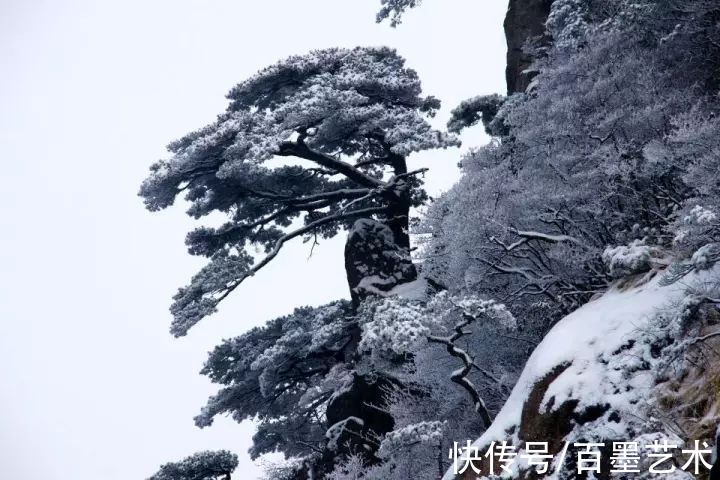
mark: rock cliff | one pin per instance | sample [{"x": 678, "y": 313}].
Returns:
[{"x": 524, "y": 23}]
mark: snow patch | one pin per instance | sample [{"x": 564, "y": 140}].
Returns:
[{"x": 602, "y": 346}]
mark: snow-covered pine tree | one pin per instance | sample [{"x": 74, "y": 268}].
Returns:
[
  {"x": 305, "y": 148},
  {"x": 208, "y": 465}
]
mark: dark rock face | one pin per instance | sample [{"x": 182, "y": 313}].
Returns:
[
  {"x": 361, "y": 401},
  {"x": 374, "y": 262},
  {"x": 552, "y": 424},
  {"x": 524, "y": 22},
  {"x": 715, "y": 471},
  {"x": 358, "y": 415}
]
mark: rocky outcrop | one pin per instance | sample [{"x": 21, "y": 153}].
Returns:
[
  {"x": 374, "y": 262},
  {"x": 612, "y": 371},
  {"x": 357, "y": 416},
  {"x": 524, "y": 23}
]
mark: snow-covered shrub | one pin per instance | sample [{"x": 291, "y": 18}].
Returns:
[
  {"x": 443, "y": 341},
  {"x": 353, "y": 468},
  {"x": 617, "y": 137},
  {"x": 422, "y": 433},
  {"x": 625, "y": 260},
  {"x": 477, "y": 109},
  {"x": 473, "y": 306},
  {"x": 395, "y": 326},
  {"x": 567, "y": 23},
  {"x": 696, "y": 234}
]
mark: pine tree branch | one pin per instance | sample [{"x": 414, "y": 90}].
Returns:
[
  {"x": 294, "y": 234},
  {"x": 301, "y": 150},
  {"x": 342, "y": 194}
]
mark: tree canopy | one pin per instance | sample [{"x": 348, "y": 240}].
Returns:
[
  {"x": 305, "y": 147},
  {"x": 283, "y": 375},
  {"x": 206, "y": 465}
]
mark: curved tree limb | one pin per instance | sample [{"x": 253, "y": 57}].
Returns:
[
  {"x": 301, "y": 150},
  {"x": 459, "y": 376}
]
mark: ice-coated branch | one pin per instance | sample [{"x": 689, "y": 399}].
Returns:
[
  {"x": 546, "y": 237},
  {"x": 341, "y": 194},
  {"x": 296, "y": 233}
]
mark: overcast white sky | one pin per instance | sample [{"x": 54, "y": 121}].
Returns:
[{"x": 92, "y": 384}]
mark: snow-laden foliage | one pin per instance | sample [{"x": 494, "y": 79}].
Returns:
[
  {"x": 206, "y": 465},
  {"x": 396, "y": 327},
  {"x": 394, "y": 9},
  {"x": 448, "y": 384},
  {"x": 353, "y": 468},
  {"x": 613, "y": 143},
  {"x": 698, "y": 227},
  {"x": 410, "y": 435},
  {"x": 625, "y": 260},
  {"x": 567, "y": 23},
  {"x": 342, "y": 121},
  {"x": 474, "y": 110},
  {"x": 283, "y": 375}
]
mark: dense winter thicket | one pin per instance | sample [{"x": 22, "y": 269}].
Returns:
[
  {"x": 607, "y": 166},
  {"x": 608, "y": 161}
]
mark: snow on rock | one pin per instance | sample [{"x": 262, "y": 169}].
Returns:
[
  {"x": 374, "y": 262},
  {"x": 415, "y": 290},
  {"x": 336, "y": 431},
  {"x": 593, "y": 376}
]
